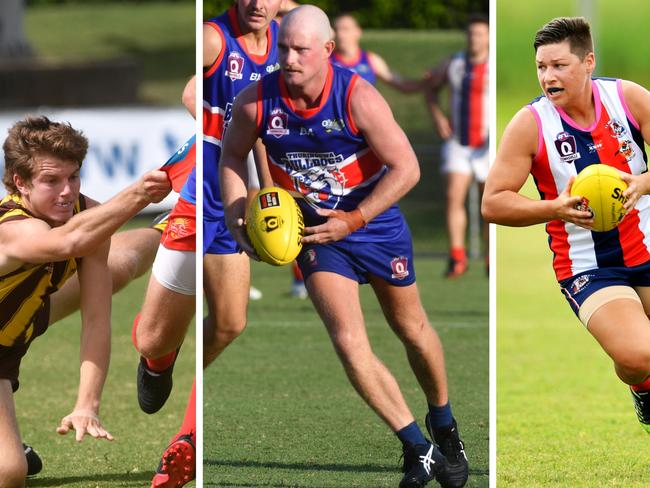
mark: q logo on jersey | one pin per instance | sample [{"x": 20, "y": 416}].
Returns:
[
  {"x": 399, "y": 267},
  {"x": 565, "y": 144},
  {"x": 277, "y": 123},
  {"x": 235, "y": 66}
]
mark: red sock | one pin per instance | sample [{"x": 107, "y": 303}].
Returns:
[
  {"x": 297, "y": 274},
  {"x": 643, "y": 386},
  {"x": 156, "y": 365},
  {"x": 458, "y": 254},
  {"x": 189, "y": 421}
]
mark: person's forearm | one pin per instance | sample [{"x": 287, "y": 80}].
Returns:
[
  {"x": 396, "y": 183},
  {"x": 515, "y": 210},
  {"x": 233, "y": 181},
  {"x": 94, "y": 358}
]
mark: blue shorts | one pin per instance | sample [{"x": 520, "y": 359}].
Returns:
[
  {"x": 392, "y": 261},
  {"x": 581, "y": 286},
  {"x": 217, "y": 238}
]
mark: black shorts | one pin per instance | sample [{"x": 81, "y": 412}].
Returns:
[{"x": 10, "y": 356}]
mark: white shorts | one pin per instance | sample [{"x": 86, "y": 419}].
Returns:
[
  {"x": 176, "y": 270},
  {"x": 457, "y": 158}
]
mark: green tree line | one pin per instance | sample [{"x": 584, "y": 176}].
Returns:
[{"x": 389, "y": 14}]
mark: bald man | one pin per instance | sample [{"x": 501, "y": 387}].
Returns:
[{"x": 332, "y": 142}]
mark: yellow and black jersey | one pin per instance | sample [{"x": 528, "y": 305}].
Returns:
[{"x": 25, "y": 292}]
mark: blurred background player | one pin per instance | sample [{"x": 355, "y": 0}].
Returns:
[
  {"x": 45, "y": 229},
  {"x": 604, "y": 276},
  {"x": 348, "y": 53},
  {"x": 239, "y": 47},
  {"x": 365, "y": 240},
  {"x": 465, "y": 131}
]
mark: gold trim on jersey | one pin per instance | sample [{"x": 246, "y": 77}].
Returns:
[{"x": 24, "y": 292}]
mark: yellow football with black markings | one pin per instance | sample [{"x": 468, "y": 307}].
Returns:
[
  {"x": 275, "y": 226},
  {"x": 601, "y": 189}
]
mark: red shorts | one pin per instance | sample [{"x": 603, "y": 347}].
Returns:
[{"x": 180, "y": 233}]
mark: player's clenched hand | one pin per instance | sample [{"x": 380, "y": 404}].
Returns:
[
  {"x": 155, "y": 185},
  {"x": 339, "y": 224},
  {"x": 637, "y": 186},
  {"x": 83, "y": 422},
  {"x": 566, "y": 208},
  {"x": 238, "y": 231}
]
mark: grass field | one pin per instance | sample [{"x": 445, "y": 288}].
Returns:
[
  {"x": 49, "y": 380},
  {"x": 279, "y": 411},
  {"x": 159, "y": 36},
  {"x": 563, "y": 418}
]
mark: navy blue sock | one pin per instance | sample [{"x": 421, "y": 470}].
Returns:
[
  {"x": 411, "y": 435},
  {"x": 440, "y": 416}
]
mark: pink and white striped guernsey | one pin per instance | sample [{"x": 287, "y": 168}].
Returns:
[{"x": 564, "y": 149}]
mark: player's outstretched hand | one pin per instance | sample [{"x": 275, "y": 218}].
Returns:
[
  {"x": 567, "y": 208},
  {"x": 155, "y": 185},
  {"x": 240, "y": 235},
  {"x": 83, "y": 422},
  {"x": 637, "y": 186},
  {"x": 339, "y": 224}
]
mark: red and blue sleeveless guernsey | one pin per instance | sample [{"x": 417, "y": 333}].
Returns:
[
  {"x": 319, "y": 156},
  {"x": 469, "y": 100},
  {"x": 361, "y": 65},
  {"x": 232, "y": 71},
  {"x": 564, "y": 149}
]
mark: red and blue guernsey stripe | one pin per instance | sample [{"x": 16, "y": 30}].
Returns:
[
  {"x": 318, "y": 154},
  {"x": 360, "y": 65},
  {"x": 469, "y": 99},
  {"x": 613, "y": 139},
  {"x": 180, "y": 166},
  {"x": 232, "y": 71}
]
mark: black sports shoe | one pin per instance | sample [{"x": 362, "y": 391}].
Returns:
[
  {"x": 642, "y": 407},
  {"x": 34, "y": 463},
  {"x": 154, "y": 388},
  {"x": 421, "y": 464},
  {"x": 456, "y": 470}
]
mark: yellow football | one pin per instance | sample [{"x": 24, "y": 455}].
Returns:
[
  {"x": 601, "y": 189},
  {"x": 275, "y": 226}
]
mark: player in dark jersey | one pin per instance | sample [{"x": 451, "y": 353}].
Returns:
[
  {"x": 333, "y": 143},
  {"x": 43, "y": 233}
]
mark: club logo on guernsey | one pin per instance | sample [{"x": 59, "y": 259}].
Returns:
[
  {"x": 277, "y": 124},
  {"x": 333, "y": 125},
  {"x": 400, "y": 268},
  {"x": 626, "y": 150},
  {"x": 566, "y": 145},
  {"x": 235, "y": 66},
  {"x": 616, "y": 129}
]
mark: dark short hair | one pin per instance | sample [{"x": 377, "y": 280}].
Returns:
[
  {"x": 576, "y": 30},
  {"x": 477, "y": 18},
  {"x": 35, "y": 136}
]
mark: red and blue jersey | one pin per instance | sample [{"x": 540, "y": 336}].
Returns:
[
  {"x": 319, "y": 156},
  {"x": 469, "y": 100},
  {"x": 361, "y": 65},
  {"x": 232, "y": 71},
  {"x": 564, "y": 149},
  {"x": 181, "y": 167}
]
